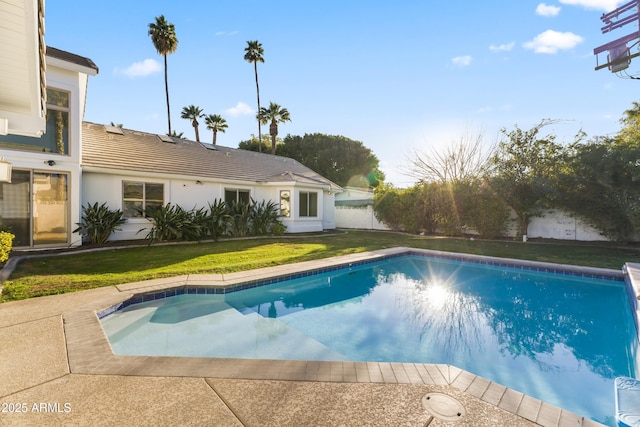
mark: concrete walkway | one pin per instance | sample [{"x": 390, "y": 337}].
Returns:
[{"x": 56, "y": 368}]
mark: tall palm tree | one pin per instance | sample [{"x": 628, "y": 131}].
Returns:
[
  {"x": 253, "y": 54},
  {"x": 276, "y": 114},
  {"x": 216, "y": 124},
  {"x": 163, "y": 36},
  {"x": 193, "y": 113}
]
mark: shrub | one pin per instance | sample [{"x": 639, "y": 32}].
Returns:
[
  {"x": 387, "y": 206},
  {"x": 6, "y": 243},
  {"x": 235, "y": 219},
  {"x": 98, "y": 222},
  {"x": 241, "y": 216},
  {"x": 489, "y": 215},
  {"x": 219, "y": 220},
  {"x": 170, "y": 222},
  {"x": 194, "y": 227},
  {"x": 265, "y": 219}
]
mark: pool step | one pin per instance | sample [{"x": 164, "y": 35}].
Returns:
[{"x": 627, "y": 402}]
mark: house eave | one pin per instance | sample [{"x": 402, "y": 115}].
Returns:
[
  {"x": 70, "y": 66},
  {"x": 14, "y": 123}
]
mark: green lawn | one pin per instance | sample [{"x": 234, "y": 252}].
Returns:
[{"x": 60, "y": 274}]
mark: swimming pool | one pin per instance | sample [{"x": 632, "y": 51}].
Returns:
[{"x": 560, "y": 338}]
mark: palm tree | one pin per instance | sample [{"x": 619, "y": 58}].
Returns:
[
  {"x": 163, "y": 36},
  {"x": 175, "y": 134},
  {"x": 192, "y": 113},
  {"x": 276, "y": 114},
  {"x": 253, "y": 53},
  {"x": 216, "y": 124}
]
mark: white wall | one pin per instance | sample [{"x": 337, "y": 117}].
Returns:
[
  {"x": 72, "y": 82},
  {"x": 328, "y": 210},
  {"x": 361, "y": 217},
  {"x": 555, "y": 224},
  {"x": 187, "y": 193}
]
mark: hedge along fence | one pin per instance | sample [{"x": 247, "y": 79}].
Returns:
[
  {"x": 479, "y": 213},
  {"x": 443, "y": 208}
]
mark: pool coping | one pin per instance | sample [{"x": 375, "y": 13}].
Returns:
[{"x": 89, "y": 350}]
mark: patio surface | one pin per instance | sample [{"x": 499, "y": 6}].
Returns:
[{"x": 57, "y": 368}]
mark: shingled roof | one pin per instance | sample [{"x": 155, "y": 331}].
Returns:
[{"x": 106, "y": 147}]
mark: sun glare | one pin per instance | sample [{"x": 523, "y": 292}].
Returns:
[{"x": 437, "y": 293}]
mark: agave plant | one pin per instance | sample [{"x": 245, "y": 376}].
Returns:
[
  {"x": 265, "y": 218},
  {"x": 194, "y": 227},
  {"x": 219, "y": 219},
  {"x": 240, "y": 213},
  {"x": 170, "y": 222},
  {"x": 98, "y": 222}
]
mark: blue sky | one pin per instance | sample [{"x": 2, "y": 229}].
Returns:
[{"x": 399, "y": 76}]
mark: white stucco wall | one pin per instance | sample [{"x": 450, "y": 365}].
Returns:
[
  {"x": 298, "y": 224},
  {"x": 100, "y": 186}
]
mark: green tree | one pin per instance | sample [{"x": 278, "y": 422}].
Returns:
[
  {"x": 216, "y": 123},
  {"x": 175, "y": 134},
  {"x": 192, "y": 113},
  {"x": 342, "y": 160},
  {"x": 274, "y": 114},
  {"x": 254, "y": 54},
  {"x": 252, "y": 144},
  {"x": 163, "y": 37},
  {"x": 630, "y": 132},
  {"x": 600, "y": 182},
  {"x": 601, "y": 185},
  {"x": 525, "y": 170}
]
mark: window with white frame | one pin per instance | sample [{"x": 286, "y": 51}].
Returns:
[
  {"x": 308, "y": 204},
  {"x": 139, "y": 197},
  {"x": 236, "y": 195}
]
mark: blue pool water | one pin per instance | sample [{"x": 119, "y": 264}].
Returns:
[{"x": 560, "y": 338}]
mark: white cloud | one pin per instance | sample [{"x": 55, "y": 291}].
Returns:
[
  {"x": 605, "y": 5},
  {"x": 547, "y": 10},
  {"x": 462, "y": 61},
  {"x": 226, "y": 33},
  {"x": 505, "y": 47},
  {"x": 552, "y": 41},
  {"x": 140, "y": 69},
  {"x": 241, "y": 109}
]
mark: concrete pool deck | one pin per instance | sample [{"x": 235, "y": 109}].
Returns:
[{"x": 57, "y": 368}]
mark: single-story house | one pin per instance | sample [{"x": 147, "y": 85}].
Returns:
[
  {"x": 56, "y": 164},
  {"x": 128, "y": 169}
]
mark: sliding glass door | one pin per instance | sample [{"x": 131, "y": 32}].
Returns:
[
  {"x": 50, "y": 209},
  {"x": 35, "y": 207},
  {"x": 15, "y": 206}
]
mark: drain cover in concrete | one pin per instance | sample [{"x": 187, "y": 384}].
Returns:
[{"x": 443, "y": 407}]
